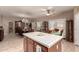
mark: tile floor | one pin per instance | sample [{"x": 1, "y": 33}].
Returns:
[
  {"x": 14, "y": 43},
  {"x": 69, "y": 47}
]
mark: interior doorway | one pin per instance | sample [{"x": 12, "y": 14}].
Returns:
[{"x": 10, "y": 27}]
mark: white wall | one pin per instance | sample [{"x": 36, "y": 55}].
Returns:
[
  {"x": 39, "y": 25},
  {"x": 68, "y": 15},
  {"x": 4, "y": 22},
  {"x": 1, "y": 21},
  {"x": 76, "y": 26},
  {"x": 34, "y": 25}
]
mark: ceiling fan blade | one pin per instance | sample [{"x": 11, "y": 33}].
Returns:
[
  {"x": 43, "y": 10},
  {"x": 50, "y": 8},
  {"x": 48, "y": 11}
]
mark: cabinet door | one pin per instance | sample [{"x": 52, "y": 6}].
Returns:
[
  {"x": 56, "y": 47},
  {"x": 44, "y": 49},
  {"x": 30, "y": 45},
  {"x": 41, "y": 49},
  {"x": 25, "y": 44}
]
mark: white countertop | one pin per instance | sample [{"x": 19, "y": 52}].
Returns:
[{"x": 48, "y": 40}]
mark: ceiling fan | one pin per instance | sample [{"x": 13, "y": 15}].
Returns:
[{"x": 48, "y": 11}]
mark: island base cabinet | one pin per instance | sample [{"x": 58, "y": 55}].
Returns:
[
  {"x": 56, "y": 47},
  {"x": 30, "y": 46},
  {"x": 25, "y": 45}
]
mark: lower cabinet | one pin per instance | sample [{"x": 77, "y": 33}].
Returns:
[
  {"x": 25, "y": 44},
  {"x": 28, "y": 45},
  {"x": 31, "y": 46},
  {"x": 55, "y": 48}
]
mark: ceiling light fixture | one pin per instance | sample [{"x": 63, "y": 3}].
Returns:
[{"x": 48, "y": 11}]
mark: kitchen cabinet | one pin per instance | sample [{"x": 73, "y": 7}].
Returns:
[
  {"x": 42, "y": 42},
  {"x": 54, "y": 48},
  {"x": 28, "y": 45},
  {"x": 31, "y": 46},
  {"x": 69, "y": 30}
]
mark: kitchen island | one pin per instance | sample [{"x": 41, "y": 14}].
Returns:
[{"x": 42, "y": 42}]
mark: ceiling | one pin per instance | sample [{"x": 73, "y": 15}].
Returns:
[{"x": 30, "y": 11}]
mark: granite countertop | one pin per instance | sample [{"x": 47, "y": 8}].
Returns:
[{"x": 45, "y": 39}]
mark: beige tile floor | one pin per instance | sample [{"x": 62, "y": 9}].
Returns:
[
  {"x": 14, "y": 43},
  {"x": 69, "y": 47}
]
